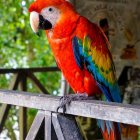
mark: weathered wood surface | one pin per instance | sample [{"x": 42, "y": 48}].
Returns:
[
  {"x": 35, "y": 126},
  {"x": 3, "y": 115},
  {"x": 22, "y": 110},
  {"x": 4, "y": 110},
  {"x": 128, "y": 114},
  {"x": 20, "y": 81},
  {"x": 48, "y": 126},
  {"x": 66, "y": 126},
  {"x": 54, "y": 126}
]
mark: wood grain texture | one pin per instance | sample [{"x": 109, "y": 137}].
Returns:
[
  {"x": 22, "y": 110},
  {"x": 69, "y": 127},
  {"x": 48, "y": 127},
  {"x": 128, "y": 114},
  {"x": 35, "y": 126},
  {"x": 57, "y": 127},
  {"x": 4, "y": 110}
]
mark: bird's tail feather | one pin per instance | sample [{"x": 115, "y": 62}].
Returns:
[{"x": 110, "y": 130}]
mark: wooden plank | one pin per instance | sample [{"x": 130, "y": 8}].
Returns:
[
  {"x": 43, "y": 69},
  {"x": 128, "y": 114},
  {"x": 67, "y": 126},
  {"x": 22, "y": 110},
  {"x": 37, "y": 83},
  {"x": 41, "y": 133},
  {"x": 22, "y": 122},
  {"x": 35, "y": 126},
  {"x": 48, "y": 123},
  {"x": 57, "y": 127},
  {"x": 3, "y": 115}
]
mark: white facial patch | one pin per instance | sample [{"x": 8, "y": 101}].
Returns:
[{"x": 51, "y": 14}]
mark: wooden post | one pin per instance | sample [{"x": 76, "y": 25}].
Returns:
[
  {"x": 22, "y": 110},
  {"x": 3, "y": 115},
  {"x": 66, "y": 127},
  {"x": 36, "y": 125},
  {"x": 53, "y": 126},
  {"x": 94, "y": 109},
  {"x": 48, "y": 125},
  {"x": 5, "y": 108},
  {"x": 64, "y": 89},
  {"x": 57, "y": 127}
]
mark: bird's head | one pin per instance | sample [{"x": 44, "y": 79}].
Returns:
[{"x": 46, "y": 14}]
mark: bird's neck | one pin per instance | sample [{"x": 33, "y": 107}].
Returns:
[{"x": 64, "y": 28}]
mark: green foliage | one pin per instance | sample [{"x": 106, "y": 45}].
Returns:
[
  {"x": 20, "y": 47},
  {"x": 11, "y": 124}
]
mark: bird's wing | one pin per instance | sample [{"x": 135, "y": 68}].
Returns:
[{"x": 92, "y": 53}]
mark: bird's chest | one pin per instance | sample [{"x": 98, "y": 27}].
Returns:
[
  {"x": 79, "y": 79},
  {"x": 64, "y": 56}
]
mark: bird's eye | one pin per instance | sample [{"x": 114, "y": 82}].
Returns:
[{"x": 50, "y": 9}]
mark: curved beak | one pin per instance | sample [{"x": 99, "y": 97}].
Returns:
[
  {"x": 37, "y": 22},
  {"x": 34, "y": 21}
]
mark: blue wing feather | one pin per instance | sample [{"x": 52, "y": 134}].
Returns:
[
  {"x": 112, "y": 93},
  {"x": 77, "y": 52}
]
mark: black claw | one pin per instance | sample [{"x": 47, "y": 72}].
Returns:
[
  {"x": 63, "y": 107},
  {"x": 66, "y": 100},
  {"x": 57, "y": 109},
  {"x": 62, "y": 104}
]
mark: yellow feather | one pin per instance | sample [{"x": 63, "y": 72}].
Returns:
[
  {"x": 94, "y": 54},
  {"x": 101, "y": 61}
]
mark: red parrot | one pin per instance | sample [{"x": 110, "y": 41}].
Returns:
[{"x": 81, "y": 52}]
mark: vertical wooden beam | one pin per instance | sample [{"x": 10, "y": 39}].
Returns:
[
  {"x": 3, "y": 115},
  {"x": 22, "y": 110},
  {"x": 48, "y": 126},
  {"x": 35, "y": 126},
  {"x": 5, "y": 108},
  {"x": 66, "y": 127},
  {"x": 57, "y": 127},
  {"x": 22, "y": 122},
  {"x": 64, "y": 89}
]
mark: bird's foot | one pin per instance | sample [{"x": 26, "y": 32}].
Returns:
[{"x": 66, "y": 100}]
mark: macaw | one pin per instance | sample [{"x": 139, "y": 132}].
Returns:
[{"x": 81, "y": 51}]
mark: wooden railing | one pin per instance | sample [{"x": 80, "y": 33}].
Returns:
[
  {"x": 19, "y": 81},
  {"x": 52, "y": 125},
  {"x": 48, "y": 123}
]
